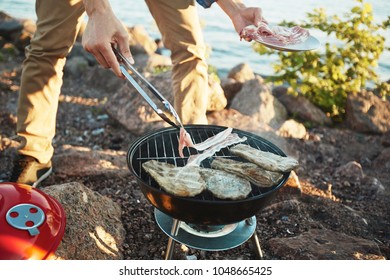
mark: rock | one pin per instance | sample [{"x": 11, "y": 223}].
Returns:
[
  {"x": 15, "y": 31},
  {"x": 230, "y": 88},
  {"x": 291, "y": 206},
  {"x": 10, "y": 27},
  {"x": 233, "y": 118},
  {"x": 129, "y": 108},
  {"x": 94, "y": 230},
  {"x": 10, "y": 49},
  {"x": 132, "y": 111},
  {"x": 386, "y": 139},
  {"x": 256, "y": 100},
  {"x": 381, "y": 167},
  {"x": 8, "y": 143},
  {"x": 29, "y": 26},
  {"x": 241, "y": 73},
  {"x": 292, "y": 128},
  {"x": 78, "y": 51},
  {"x": 367, "y": 113},
  {"x": 301, "y": 107},
  {"x": 140, "y": 41},
  {"x": 24, "y": 39},
  {"x": 70, "y": 161},
  {"x": 3, "y": 41},
  {"x": 236, "y": 77},
  {"x": 352, "y": 170},
  {"x": 382, "y": 162},
  {"x": 76, "y": 67},
  {"x": 372, "y": 186},
  {"x": 323, "y": 244},
  {"x": 103, "y": 80},
  {"x": 156, "y": 60}
]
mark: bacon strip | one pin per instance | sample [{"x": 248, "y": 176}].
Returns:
[
  {"x": 233, "y": 138},
  {"x": 186, "y": 141},
  {"x": 213, "y": 140},
  {"x": 275, "y": 35}
]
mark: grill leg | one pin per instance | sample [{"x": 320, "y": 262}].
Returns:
[
  {"x": 255, "y": 239},
  {"x": 171, "y": 242},
  {"x": 256, "y": 243}
]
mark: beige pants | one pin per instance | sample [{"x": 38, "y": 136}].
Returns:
[{"x": 58, "y": 22}]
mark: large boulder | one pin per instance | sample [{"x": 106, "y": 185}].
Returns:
[
  {"x": 230, "y": 88},
  {"x": 367, "y": 113},
  {"x": 236, "y": 77},
  {"x": 16, "y": 31},
  {"x": 255, "y": 99},
  {"x": 301, "y": 108},
  {"x": 94, "y": 230},
  {"x": 140, "y": 41},
  {"x": 241, "y": 73},
  {"x": 10, "y": 28},
  {"x": 237, "y": 120},
  {"x": 129, "y": 108}
]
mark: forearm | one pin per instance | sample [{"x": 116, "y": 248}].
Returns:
[
  {"x": 230, "y": 7},
  {"x": 97, "y": 6},
  {"x": 240, "y": 15}
]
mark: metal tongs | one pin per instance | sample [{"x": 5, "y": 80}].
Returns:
[{"x": 167, "y": 112}]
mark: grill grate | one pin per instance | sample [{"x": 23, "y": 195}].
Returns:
[{"x": 163, "y": 146}]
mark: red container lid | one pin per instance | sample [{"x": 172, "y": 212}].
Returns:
[{"x": 32, "y": 223}]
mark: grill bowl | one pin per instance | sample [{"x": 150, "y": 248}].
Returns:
[{"x": 205, "y": 209}]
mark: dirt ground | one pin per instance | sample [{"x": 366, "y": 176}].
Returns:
[{"x": 323, "y": 198}]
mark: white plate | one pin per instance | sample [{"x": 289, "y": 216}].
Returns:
[{"x": 311, "y": 43}]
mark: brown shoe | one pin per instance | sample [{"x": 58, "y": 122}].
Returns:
[{"x": 27, "y": 170}]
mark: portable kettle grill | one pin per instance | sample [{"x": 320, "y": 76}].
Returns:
[{"x": 32, "y": 223}]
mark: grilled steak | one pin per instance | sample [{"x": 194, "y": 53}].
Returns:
[
  {"x": 180, "y": 181},
  {"x": 247, "y": 170},
  {"x": 189, "y": 181},
  {"x": 225, "y": 185},
  {"x": 266, "y": 160}
]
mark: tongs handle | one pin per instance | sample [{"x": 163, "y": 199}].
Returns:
[{"x": 124, "y": 63}]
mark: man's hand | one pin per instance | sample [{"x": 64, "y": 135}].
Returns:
[
  {"x": 104, "y": 31},
  {"x": 240, "y": 15}
]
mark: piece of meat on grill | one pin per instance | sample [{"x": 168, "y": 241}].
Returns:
[
  {"x": 186, "y": 141},
  {"x": 247, "y": 170},
  {"x": 225, "y": 185},
  {"x": 266, "y": 160},
  {"x": 189, "y": 181},
  {"x": 228, "y": 140},
  {"x": 180, "y": 181}
]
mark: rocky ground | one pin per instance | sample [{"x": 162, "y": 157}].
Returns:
[{"x": 339, "y": 208}]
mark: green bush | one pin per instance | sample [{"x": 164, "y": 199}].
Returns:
[{"x": 326, "y": 78}]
